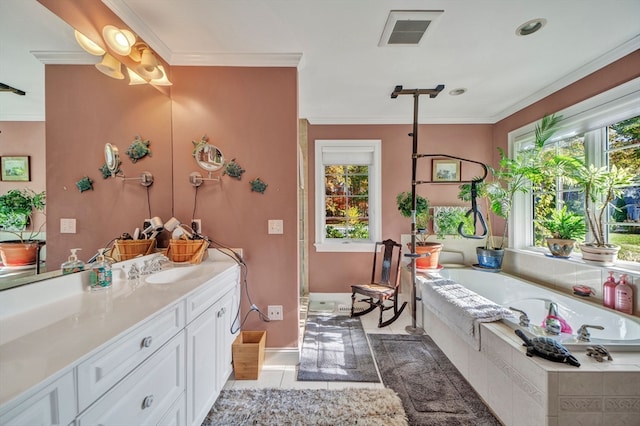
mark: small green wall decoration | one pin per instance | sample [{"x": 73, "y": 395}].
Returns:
[
  {"x": 233, "y": 169},
  {"x": 85, "y": 184},
  {"x": 138, "y": 149},
  {"x": 258, "y": 185}
]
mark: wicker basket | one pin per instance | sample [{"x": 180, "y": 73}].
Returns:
[
  {"x": 128, "y": 249},
  {"x": 192, "y": 251}
]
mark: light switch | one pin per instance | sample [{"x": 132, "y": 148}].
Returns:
[
  {"x": 67, "y": 226},
  {"x": 275, "y": 226}
]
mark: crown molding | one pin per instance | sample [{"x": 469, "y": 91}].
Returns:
[
  {"x": 589, "y": 68},
  {"x": 49, "y": 57},
  {"x": 237, "y": 59}
]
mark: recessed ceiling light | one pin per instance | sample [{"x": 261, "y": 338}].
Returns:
[
  {"x": 531, "y": 26},
  {"x": 457, "y": 92}
]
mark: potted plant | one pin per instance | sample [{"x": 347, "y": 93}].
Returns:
[
  {"x": 601, "y": 186},
  {"x": 564, "y": 228},
  {"x": 423, "y": 247},
  {"x": 447, "y": 220},
  {"x": 512, "y": 175},
  {"x": 16, "y": 213}
]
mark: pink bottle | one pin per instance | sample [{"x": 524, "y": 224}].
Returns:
[
  {"x": 609, "y": 292},
  {"x": 624, "y": 296}
]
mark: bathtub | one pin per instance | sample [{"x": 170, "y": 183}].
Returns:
[
  {"x": 620, "y": 331},
  {"x": 532, "y": 391}
]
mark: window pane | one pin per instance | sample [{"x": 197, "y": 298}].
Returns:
[{"x": 347, "y": 201}]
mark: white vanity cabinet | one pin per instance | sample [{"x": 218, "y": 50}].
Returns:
[
  {"x": 165, "y": 362},
  {"x": 53, "y": 404},
  {"x": 209, "y": 339}
]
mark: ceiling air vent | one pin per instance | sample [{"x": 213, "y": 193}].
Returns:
[{"x": 407, "y": 27}]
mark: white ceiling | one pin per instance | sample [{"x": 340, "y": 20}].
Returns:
[{"x": 344, "y": 76}]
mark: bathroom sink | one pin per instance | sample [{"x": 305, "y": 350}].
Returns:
[{"x": 169, "y": 276}]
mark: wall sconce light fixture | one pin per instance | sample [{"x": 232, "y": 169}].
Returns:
[
  {"x": 119, "y": 40},
  {"x": 162, "y": 81},
  {"x": 110, "y": 66},
  {"x": 134, "y": 78},
  {"x": 88, "y": 45}
]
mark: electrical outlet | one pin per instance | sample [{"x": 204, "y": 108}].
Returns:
[
  {"x": 274, "y": 312},
  {"x": 196, "y": 225}
]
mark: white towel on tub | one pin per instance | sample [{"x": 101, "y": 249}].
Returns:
[{"x": 460, "y": 308}]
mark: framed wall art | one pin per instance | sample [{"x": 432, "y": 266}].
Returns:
[
  {"x": 446, "y": 170},
  {"x": 16, "y": 169}
]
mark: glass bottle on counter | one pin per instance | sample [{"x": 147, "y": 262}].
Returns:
[{"x": 100, "y": 275}]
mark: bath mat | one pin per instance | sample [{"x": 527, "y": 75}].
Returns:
[
  {"x": 335, "y": 349},
  {"x": 307, "y": 407},
  {"x": 432, "y": 390}
]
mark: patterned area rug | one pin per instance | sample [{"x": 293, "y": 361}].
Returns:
[
  {"x": 335, "y": 349},
  {"x": 432, "y": 390},
  {"x": 307, "y": 407}
]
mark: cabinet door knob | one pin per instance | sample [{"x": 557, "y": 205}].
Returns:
[
  {"x": 146, "y": 342},
  {"x": 147, "y": 401}
]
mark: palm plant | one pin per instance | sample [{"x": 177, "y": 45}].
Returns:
[{"x": 564, "y": 224}]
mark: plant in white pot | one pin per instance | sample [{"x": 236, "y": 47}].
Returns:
[
  {"x": 513, "y": 175},
  {"x": 601, "y": 186},
  {"x": 17, "y": 208},
  {"x": 433, "y": 249},
  {"x": 564, "y": 229}
]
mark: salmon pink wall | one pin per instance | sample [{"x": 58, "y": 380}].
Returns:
[
  {"x": 84, "y": 110},
  {"x": 19, "y": 138},
  {"x": 251, "y": 115},
  {"x": 333, "y": 272}
]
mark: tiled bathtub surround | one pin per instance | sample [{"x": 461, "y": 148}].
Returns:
[
  {"x": 562, "y": 275},
  {"x": 532, "y": 391}
]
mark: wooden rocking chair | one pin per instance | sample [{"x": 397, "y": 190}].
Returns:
[{"x": 387, "y": 284}]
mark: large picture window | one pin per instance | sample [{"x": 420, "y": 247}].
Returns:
[
  {"x": 602, "y": 132},
  {"x": 347, "y": 194}
]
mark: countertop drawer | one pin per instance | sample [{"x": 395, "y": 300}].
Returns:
[
  {"x": 99, "y": 373},
  {"x": 200, "y": 301},
  {"x": 145, "y": 396}
]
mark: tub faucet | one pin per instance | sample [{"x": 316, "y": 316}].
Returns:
[
  {"x": 551, "y": 323},
  {"x": 583, "y": 333},
  {"x": 524, "y": 319}
]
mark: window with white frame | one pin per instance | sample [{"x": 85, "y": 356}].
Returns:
[
  {"x": 348, "y": 194},
  {"x": 603, "y": 131}
]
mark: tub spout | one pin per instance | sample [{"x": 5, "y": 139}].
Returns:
[
  {"x": 524, "y": 319},
  {"x": 583, "y": 332}
]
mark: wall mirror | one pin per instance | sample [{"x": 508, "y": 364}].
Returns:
[
  {"x": 112, "y": 158},
  {"x": 111, "y": 225},
  {"x": 209, "y": 157}
]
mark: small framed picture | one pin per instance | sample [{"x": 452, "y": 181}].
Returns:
[
  {"x": 16, "y": 169},
  {"x": 446, "y": 170}
]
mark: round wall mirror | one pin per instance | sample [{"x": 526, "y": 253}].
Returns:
[
  {"x": 209, "y": 157},
  {"x": 111, "y": 158}
]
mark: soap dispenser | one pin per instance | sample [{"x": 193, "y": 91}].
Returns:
[
  {"x": 100, "y": 276},
  {"x": 609, "y": 292},
  {"x": 624, "y": 296},
  {"x": 73, "y": 264}
]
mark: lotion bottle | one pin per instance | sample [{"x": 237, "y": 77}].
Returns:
[
  {"x": 100, "y": 275},
  {"x": 609, "y": 292},
  {"x": 73, "y": 264},
  {"x": 624, "y": 296}
]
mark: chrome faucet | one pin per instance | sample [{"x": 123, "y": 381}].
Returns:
[
  {"x": 153, "y": 264},
  {"x": 583, "y": 333},
  {"x": 524, "y": 319},
  {"x": 551, "y": 323}
]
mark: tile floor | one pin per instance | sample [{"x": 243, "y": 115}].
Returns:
[{"x": 280, "y": 369}]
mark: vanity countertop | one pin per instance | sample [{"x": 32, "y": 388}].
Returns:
[{"x": 39, "y": 343}]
